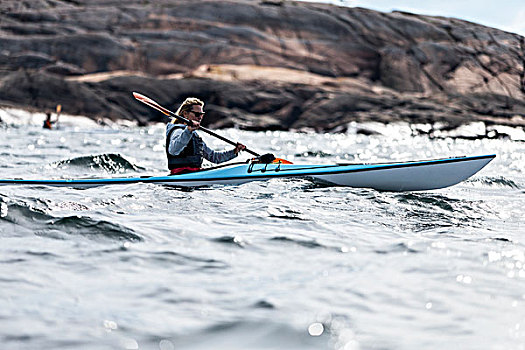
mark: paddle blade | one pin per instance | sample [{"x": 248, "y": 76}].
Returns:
[
  {"x": 143, "y": 98},
  {"x": 148, "y": 101},
  {"x": 282, "y": 161},
  {"x": 59, "y": 108}
]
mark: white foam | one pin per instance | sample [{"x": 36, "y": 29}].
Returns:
[{"x": 15, "y": 116}]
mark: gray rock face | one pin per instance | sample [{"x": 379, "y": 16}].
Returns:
[{"x": 258, "y": 65}]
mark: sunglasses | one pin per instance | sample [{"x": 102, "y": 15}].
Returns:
[{"x": 198, "y": 114}]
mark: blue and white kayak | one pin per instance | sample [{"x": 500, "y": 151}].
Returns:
[{"x": 395, "y": 176}]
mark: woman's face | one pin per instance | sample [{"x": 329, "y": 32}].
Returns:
[{"x": 195, "y": 113}]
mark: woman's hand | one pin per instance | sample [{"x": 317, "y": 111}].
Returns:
[
  {"x": 239, "y": 147},
  {"x": 194, "y": 125}
]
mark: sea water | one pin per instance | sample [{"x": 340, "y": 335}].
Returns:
[{"x": 282, "y": 264}]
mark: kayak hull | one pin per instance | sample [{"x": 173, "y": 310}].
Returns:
[
  {"x": 410, "y": 178},
  {"x": 402, "y": 176}
]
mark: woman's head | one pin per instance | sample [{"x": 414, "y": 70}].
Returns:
[
  {"x": 188, "y": 104},
  {"x": 191, "y": 109}
]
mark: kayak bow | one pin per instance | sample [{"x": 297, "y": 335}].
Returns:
[{"x": 397, "y": 176}]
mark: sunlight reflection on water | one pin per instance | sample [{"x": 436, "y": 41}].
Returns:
[{"x": 283, "y": 264}]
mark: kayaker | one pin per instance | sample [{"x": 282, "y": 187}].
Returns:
[
  {"x": 48, "y": 124},
  {"x": 185, "y": 149}
]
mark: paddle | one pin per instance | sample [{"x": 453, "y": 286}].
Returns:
[
  {"x": 59, "y": 109},
  {"x": 265, "y": 158}
]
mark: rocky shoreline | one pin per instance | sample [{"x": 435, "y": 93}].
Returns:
[{"x": 260, "y": 65}]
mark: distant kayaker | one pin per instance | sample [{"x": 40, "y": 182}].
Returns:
[
  {"x": 185, "y": 149},
  {"x": 48, "y": 124}
]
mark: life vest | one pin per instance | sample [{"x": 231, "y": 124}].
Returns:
[
  {"x": 47, "y": 124},
  {"x": 190, "y": 156}
]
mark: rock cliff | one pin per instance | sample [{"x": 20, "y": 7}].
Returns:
[{"x": 258, "y": 64}]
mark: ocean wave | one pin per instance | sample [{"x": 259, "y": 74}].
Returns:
[
  {"x": 289, "y": 214},
  {"x": 424, "y": 211},
  {"x": 233, "y": 240},
  {"x": 109, "y": 162},
  {"x": 86, "y": 226},
  {"x": 244, "y": 333},
  {"x": 303, "y": 243},
  {"x": 22, "y": 214},
  {"x": 495, "y": 181},
  {"x": 37, "y": 221},
  {"x": 263, "y": 304},
  {"x": 171, "y": 258},
  {"x": 314, "y": 154},
  {"x": 397, "y": 248},
  {"x": 439, "y": 201}
]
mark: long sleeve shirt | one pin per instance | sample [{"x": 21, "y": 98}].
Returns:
[{"x": 180, "y": 138}]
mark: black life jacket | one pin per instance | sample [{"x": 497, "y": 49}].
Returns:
[{"x": 191, "y": 155}]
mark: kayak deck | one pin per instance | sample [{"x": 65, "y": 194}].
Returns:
[{"x": 400, "y": 176}]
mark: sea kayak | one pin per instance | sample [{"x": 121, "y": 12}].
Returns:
[{"x": 395, "y": 176}]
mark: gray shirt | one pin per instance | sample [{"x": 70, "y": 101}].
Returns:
[{"x": 180, "y": 138}]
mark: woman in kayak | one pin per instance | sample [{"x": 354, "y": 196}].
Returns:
[
  {"x": 185, "y": 149},
  {"x": 48, "y": 124}
]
